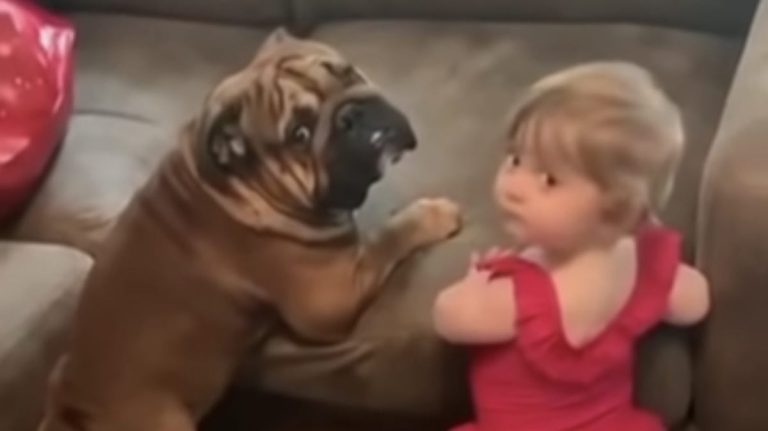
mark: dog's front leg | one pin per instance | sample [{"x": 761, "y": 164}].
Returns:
[
  {"x": 326, "y": 309},
  {"x": 420, "y": 224}
]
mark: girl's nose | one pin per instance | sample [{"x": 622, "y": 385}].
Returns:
[{"x": 519, "y": 184}]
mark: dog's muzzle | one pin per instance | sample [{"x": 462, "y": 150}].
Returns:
[
  {"x": 373, "y": 126},
  {"x": 367, "y": 136}
]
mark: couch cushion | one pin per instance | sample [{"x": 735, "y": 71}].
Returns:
[
  {"x": 712, "y": 15},
  {"x": 457, "y": 81},
  {"x": 104, "y": 159},
  {"x": 132, "y": 95},
  {"x": 161, "y": 72},
  {"x": 35, "y": 307},
  {"x": 230, "y": 11}
]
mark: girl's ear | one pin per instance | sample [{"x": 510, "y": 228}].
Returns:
[{"x": 623, "y": 212}]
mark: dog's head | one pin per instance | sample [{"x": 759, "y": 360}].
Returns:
[{"x": 301, "y": 128}]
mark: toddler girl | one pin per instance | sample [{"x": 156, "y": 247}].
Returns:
[{"x": 592, "y": 155}]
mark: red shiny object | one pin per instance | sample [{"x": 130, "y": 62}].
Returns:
[{"x": 35, "y": 96}]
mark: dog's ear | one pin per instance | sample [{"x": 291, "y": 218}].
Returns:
[
  {"x": 226, "y": 143},
  {"x": 278, "y": 37},
  {"x": 221, "y": 143}
]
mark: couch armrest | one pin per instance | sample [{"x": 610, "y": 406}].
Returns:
[
  {"x": 731, "y": 373},
  {"x": 39, "y": 288}
]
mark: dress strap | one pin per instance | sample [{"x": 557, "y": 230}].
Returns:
[{"x": 659, "y": 251}]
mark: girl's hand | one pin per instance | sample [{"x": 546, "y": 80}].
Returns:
[
  {"x": 496, "y": 253},
  {"x": 480, "y": 277},
  {"x": 477, "y": 309},
  {"x": 475, "y": 276}
]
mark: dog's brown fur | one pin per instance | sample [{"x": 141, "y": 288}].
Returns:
[{"x": 204, "y": 262}]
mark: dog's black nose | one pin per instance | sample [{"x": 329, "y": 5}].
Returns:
[{"x": 375, "y": 122}]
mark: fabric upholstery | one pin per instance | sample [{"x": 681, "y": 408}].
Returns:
[
  {"x": 731, "y": 378},
  {"x": 726, "y": 16},
  {"x": 459, "y": 81},
  {"x": 35, "y": 306},
  {"x": 456, "y": 82},
  {"x": 229, "y": 11}
]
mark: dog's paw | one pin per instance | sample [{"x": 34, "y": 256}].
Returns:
[{"x": 433, "y": 219}]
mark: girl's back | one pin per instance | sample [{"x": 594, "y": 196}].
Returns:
[{"x": 543, "y": 380}]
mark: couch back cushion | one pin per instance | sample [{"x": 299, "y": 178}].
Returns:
[
  {"x": 722, "y": 16},
  {"x": 229, "y": 11},
  {"x": 725, "y": 16}
]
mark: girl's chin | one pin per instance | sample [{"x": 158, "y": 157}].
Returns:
[{"x": 515, "y": 231}]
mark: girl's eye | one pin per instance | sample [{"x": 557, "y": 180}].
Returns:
[
  {"x": 550, "y": 180},
  {"x": 514, "y": 160}
]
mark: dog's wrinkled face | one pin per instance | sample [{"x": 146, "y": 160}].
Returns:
[{"x": 301, "y": 128}]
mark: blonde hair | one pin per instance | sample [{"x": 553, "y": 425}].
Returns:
[{"x": 610, "y": 121}]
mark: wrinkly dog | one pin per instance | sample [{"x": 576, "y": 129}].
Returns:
[{"x": 245, "y": 227}]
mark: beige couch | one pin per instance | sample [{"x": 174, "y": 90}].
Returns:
[{"x": 143, "y": 67}]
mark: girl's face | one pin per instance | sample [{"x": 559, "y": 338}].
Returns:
[{"x": 555, "y": 208}]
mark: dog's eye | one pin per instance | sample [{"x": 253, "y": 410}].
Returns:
[
  {"x": 300, "y": 134},
  {"x": 339, "y": 70}
]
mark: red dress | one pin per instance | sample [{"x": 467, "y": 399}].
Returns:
[{"x": 539, "y": 382}]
